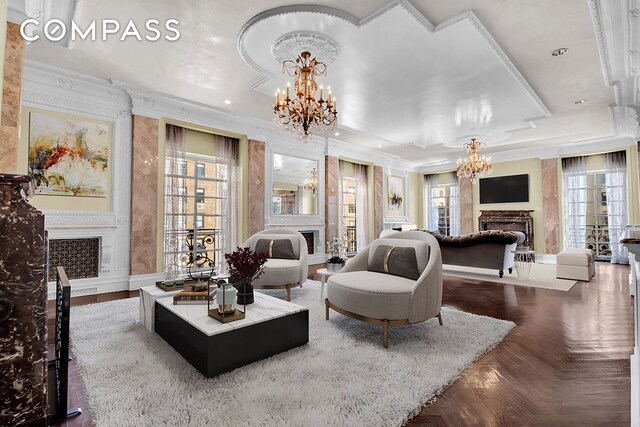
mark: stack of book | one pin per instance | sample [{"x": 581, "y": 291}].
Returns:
[{"x": 188, "y": 297}]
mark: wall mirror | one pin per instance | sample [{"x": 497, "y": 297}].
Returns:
[{"x": 295, "y": 186}]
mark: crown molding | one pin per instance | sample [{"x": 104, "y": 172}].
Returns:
[
  {"x": 617, "y": 25},
  {"x": 338, "y": 148},
  {"x": 44, "y": 10},
  {"x": 569, "y": 149}
]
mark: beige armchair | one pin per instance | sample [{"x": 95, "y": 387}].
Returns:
[
  {"x": 282, "y": 273},
  {"x": 385, "y": 299}
]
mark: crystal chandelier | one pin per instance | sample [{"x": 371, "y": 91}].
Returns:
[
  {"x": 474, "y": 166},
  {"x": 311, "y": 184},
  {"x": 304, "y": 114}
]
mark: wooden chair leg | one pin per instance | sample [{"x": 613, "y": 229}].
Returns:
[
  {"x": 385, "y": 334},
  {"x": 440, "y": 319},
  {"x": 326, "y": 309}
]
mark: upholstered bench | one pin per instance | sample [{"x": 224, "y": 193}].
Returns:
[{"x": 576, "y": 264}]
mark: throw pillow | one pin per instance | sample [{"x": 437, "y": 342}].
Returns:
[
  {"x": 276, "y": 248},
  {"x": 396, "y": 260}
]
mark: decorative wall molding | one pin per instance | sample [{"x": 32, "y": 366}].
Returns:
[
  {"x": 55, "y": 89},
  {"x": 392, "y": 221},
  {"x": 72, "y": 219},
  {"x": 141, "y": 280},
  {"x": 43, "y": 11},
  {"x": 314, "y": 223},
  {"x": 617, "y": 28},
  {"x": 291, "y": 44}
]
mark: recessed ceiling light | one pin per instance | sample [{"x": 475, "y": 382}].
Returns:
[
  {"x": 379, "y": 145},
  {"x": 226, "y": 101},
  {"x": 337, "y": 134},
  {"x": 580, "y": 101},
  {"x": 560, "y": 52}
]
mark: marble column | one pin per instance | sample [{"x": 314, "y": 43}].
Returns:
[
  {"x": 256, "y": 186},
  {"x": 378, "y": 200},
  {"x": 144, "y": 196},
  {"x": 23, "y": 307},
  {"x": 550, "y": 206},
  {"x": 11, "y": 93},
  {"x": 466, "y": 206},
  {"x": 331, "y": 195}
]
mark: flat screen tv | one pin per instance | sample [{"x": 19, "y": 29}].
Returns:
[{"x": 505, "y": 189}]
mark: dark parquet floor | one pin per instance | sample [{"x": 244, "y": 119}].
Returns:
[{"x": 566, "y": 363}]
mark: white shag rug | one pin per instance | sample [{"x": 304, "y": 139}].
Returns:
[
  {"x": 541, "y": 276},
  {"x": 342, "y": 377}
]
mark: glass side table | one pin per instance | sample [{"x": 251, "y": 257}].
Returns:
[{"x": 523, "y": 258}]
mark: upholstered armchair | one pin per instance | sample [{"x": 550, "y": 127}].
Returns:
[
  {"x": 282, "y": 273},
  {"x": 385, "y": 299}
]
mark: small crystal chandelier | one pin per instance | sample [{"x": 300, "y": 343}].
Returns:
[
  {"x": 474, "y": 166},
  {"x": 311, "y": 184},
  {"x": 304, "y": 114}
]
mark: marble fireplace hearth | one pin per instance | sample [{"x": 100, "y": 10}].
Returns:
[{"x": 515, "y": 220}]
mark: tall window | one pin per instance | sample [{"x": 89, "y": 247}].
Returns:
[
  {"x": 201, "y": 210},
  {"x": 595, "y": 206},
  {"x": 200, "y": 195},
  {"x": 349, "y": 198},
  {"x": 200, "y": 170},
  {"x": 442, "y": 205},
  {"x": 204, "y": 194}
]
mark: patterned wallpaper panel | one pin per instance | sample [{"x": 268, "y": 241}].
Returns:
[{"x": 79, "y": 257}]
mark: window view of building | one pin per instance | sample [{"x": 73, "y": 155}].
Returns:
[
  {"x": 204, "y": 195},
  {"x": 349, "y": 194}
]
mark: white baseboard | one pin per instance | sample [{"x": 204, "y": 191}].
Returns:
[
  {"x": 141, "y": 280},
  {"x": 92, "y": 286}
]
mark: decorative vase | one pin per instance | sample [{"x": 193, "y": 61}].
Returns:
[
  {"x": 334, "y": 267},
  {"x": 226, "y": 299},
  {"x": 245, "y": 293}
]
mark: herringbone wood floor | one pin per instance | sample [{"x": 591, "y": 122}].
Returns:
[{"x": 566, "y": 364}]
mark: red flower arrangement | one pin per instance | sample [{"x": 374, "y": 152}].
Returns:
[{"x": 245, "y": 265}]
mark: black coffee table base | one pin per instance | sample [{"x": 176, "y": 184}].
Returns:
[{"x": 224, "y": 352}]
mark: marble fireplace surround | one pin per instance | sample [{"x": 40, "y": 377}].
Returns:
[
  {"x": 508, "y": 220},
  {"x": 92, "y": 285}
]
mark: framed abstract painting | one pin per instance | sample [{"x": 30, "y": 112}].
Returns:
[
  {"x": 69, "y": 155},
  {"x": 396, "y": 194}
]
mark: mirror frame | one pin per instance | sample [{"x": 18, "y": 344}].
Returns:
[{"x": 300, "y": 219}]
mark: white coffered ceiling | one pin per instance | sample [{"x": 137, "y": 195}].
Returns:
[{"x": 412, "y": 77}]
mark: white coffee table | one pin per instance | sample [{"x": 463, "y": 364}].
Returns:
[
  {"x": 324, "y": 273},
  {"x": 148, "y": 297}
]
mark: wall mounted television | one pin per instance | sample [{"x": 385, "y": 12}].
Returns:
[{"x": 505, "y": 189}]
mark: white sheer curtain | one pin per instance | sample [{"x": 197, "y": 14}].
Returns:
[
  {"x": 616, "y": 186},
  {"x": 430, "y": 182},
  {"x": 341, "y": 230},
  {"x": 362, "y": 207},
  {"x": 174, "y": 201},
  {"x": 454, "y": 204},
  {"x": 575, "y": 201},
  {"x": 227, "y": 155}
]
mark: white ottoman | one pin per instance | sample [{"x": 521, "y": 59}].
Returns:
[{"x": 576, "y": 264}]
